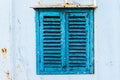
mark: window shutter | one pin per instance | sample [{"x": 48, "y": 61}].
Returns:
[
  {"x": 51, "y": 39},
  {"x": 78, "y": 42},
  {"x": 64, "y": 41}
]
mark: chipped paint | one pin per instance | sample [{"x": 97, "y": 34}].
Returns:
[
  {"x": 107, "y": 52},
  {"x": 7, "y": 75},
  {"x": 66, "y": 5}
]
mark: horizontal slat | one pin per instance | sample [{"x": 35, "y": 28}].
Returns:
[
  {"x": 77, "y": 43},
  {"x": 51, "y": 30},
  {"x": 51, "y": 58},
  {"x": 76, "y": 40},
  {"x": 52, "y": 62},
  {"x": 52, "y": 52},
  {"x": 52, "y": 55},
  {"x": 52, "y": 49},
  {"x": 51, "y": 19},
  {"x": 54, "y": 16},
  {"x": 75, "y": 29},
  {"x": 77, "y": 51},
  {"x": 77, "y": 54},
  {"x": 52, "y": 33},
  {"x": 76, "y": 62},
  {"x": 51, "y": 41},
  {"x": 77, "y": 65},
  {"x": 77, "y": 23},
  {"x": 55, "y": 37},
  {"x": 77, "y": 19},
  {"x": 57, "y": 46},
  {"x": 76, "y": 14},
  {"x": 78, "y": 59},
  {"x": 77, "y": 34},
  {"x": 51, "y": 24},
  {"x": 52, "y": 65},
  {"x": 52, "y": 44},
  {"x": 77, "y": 47},
  {"x": 76, "y": 26},
  {"x": 50, "y": 38},
  {"x": 55, "y": 32},
  {"x": 51, "y": 27},
  {"x": 80, "y": 46}
]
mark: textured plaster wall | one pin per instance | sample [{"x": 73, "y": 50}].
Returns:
[
  {"x": 17, "y": 32},
  {"x": 4, "y": 40}
]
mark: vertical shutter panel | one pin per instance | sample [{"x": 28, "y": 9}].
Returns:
[
  {"x": 51, "y": 52},
  {"x": 78, "y": 42},
  {"x": 64, "y": 41}
]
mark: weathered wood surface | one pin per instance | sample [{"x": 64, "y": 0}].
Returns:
[{"x": 17, "y": 32}]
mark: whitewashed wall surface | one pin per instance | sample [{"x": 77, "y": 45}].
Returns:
[{"x": 17, "y": 40}]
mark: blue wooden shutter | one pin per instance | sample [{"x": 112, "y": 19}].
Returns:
[
  {"x": 64, "y": 41},
  {"x": 51, "y": 42},
  {"x": 78, "y": 42}
]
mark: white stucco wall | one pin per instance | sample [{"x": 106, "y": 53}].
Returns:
[
  {"x": 4, "y": 38},
  {"x": 17, "y": 32}
]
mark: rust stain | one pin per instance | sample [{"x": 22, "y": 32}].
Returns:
[
  {"x": 7, "y": 75},
  {"x": 66, "y": 4},
  {"x": 4, "y": 51}
]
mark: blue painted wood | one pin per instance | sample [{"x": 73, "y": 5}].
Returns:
[
  {"x": 64, "y": 41},
  {"x": 88, "y": 43},
  {"x": 37, "y": 42},
  {"x": 52, "y": 39},
  {"x": 91, "y": 18},
  {"x": 41, "y": 42},
  {"x": 76, "y": 63}
]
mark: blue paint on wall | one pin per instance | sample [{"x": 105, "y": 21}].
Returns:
[{"x": 72, "y": 53}]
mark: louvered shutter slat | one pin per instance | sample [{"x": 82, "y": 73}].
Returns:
[
  {"x": 51, "y": 42},
  {"x": 78, "y": 42},
  {"x": 64, "y": 43}
]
